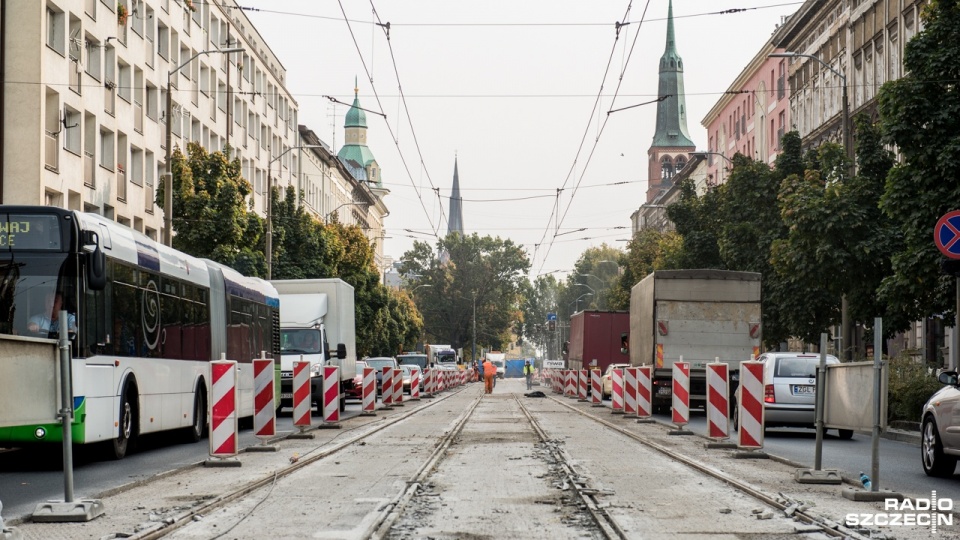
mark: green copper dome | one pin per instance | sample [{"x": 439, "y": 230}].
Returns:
[{"x": 355, "y": 116}]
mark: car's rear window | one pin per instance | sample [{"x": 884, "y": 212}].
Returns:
[
  {"x": 797, "y": 367},
  {"x": 384, "y": 362}
]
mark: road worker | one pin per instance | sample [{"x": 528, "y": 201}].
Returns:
[
  {"x": 489, "y": 373},
  {"x": 528, "y": 374}
]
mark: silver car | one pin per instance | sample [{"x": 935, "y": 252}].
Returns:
[
  {"x": 790, "y": 390},
  {"x": 940, "y": 428}
]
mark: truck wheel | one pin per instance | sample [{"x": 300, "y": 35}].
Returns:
[{"x": 343, "y": 402}]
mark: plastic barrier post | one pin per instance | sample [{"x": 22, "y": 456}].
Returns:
[
  {"x": 331, "y": 397},
  {"x": 616, "y": 381},
  {"x": 718, "y": 404},
  {"x": 630, "y": 391},
  {"x": 386, "y": 388},
  {"x": 596, "y": 388},
  {"x": 415, "y": 384},
  {"x": 582, "y": 384},
  {"x": 751, "y": 405},
  {"x": 223, "y": 411},
  {"x": 681, "y": 394},
  {"x": 645, "y": 393},
  {"x": 368, "y": 392},
  {"x": 264, "y": 406},
  {"x": 398, "y": 387}
]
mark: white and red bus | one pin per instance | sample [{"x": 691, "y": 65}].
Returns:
[{"x": 146, "y": 320}]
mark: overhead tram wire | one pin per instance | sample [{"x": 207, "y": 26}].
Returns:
[
  {"x": 396, "y": 141},
  {"x": 601, "y": 130}
]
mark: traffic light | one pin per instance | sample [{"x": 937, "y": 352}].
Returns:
[
  {"x": 552, "y": 326},
  {"x": 624, "y": 343}
]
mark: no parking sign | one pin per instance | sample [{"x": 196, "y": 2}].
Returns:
[{"x": 947, "y": 234}]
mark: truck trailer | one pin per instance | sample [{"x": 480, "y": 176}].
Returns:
[
  {"x": 596, "y": 339},
  {"x": 317, "y": 324},
  {"x": 699, "y": 315}
]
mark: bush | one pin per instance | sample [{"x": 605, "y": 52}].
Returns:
[{"x": 911, "y": 384}]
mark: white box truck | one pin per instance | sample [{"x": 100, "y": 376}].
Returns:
[
  {"x": 318, "y": 324},
  {"x": 700, "y": 315}
]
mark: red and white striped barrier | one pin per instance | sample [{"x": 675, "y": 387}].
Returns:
[
  {"x": 750, "y": 403},
  {"x": 681, "y": 393},
  {"x": 616, "y": 392},
  {"x": 644, "y": 392},
  {"x": 301, "y": 394},
  {"x": 264, "y": 409},
  {"x": 582, "y": 384},
  {"x": 718, "y": 404},
  {"x": 398, "y": 387},
  {"x": 331, "y": 395},
  {"x": 596, "y": 388},
  {"x": 223, "y": 409},
  {"x": 571, "y": 383},
  {"x": 427, "y": 382},
  {"x": 415, "y": 384},
  {"x": 368, "y": 391},
  {"x": 386, "y": 387},
  {"x": 630, "y": 391}
]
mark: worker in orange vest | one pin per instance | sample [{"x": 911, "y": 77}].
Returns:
[{"x": 489, "y": 372}]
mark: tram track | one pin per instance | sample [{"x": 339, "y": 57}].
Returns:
[
  {"x": 833, "y": 530},
  {"x": 173, "y": 523}
]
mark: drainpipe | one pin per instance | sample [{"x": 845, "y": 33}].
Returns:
[{"x": 3, "y": 77}]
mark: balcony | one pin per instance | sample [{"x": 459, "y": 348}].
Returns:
[
  {"x": 121, "y": 184},
  {"x": 89, "y": 170},
  {"x": 51, "y": 151},
  {"x": 75, "y": 71},
  {"x": 138, "y": 117},
  {"x": 110, "y": 98},
  {"x": 781, "y": 88}
]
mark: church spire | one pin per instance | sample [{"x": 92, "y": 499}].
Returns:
[
  {"x": 455, "y": 222},
  {"x": 672, "y": 111}
]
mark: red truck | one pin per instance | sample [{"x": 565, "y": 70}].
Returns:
[{"x": 598, "y": 339}]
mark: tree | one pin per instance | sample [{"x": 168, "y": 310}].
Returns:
[
  {"x": 303, "y": 247},
  {"x": 595, "y": 273},
  {"x": 920, "y": 115},
  {"x": 211, "y": 218},
  {"x": 649, "y": 249},
  {"x": 473, "y": 270},
  {"x": 697, "y": 219},
  {"x": 539, "y": 299}
]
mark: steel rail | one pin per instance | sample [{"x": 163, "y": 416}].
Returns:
[
  {"x": 605, "y": 522},
  {"x": 838, "y": 532},
  {"x": 172, "y": 524}
]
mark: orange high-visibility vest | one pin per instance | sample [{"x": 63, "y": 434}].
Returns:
[{"x": 489, "y": 369}]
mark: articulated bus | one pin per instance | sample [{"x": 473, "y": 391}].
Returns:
[{"x": 145, "y": 322}]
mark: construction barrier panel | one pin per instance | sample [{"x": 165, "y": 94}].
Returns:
[
  {"x": 582, "y": 384},
  {"x": 596, "y": 388},
  {"x": 302, "y": 400},
  {"x": 386, "y": 386},
  {"x": 644, "y": 392},
  {"x": 415, "y": 384},
  {"x": 427, "y": 381},
  {"x": 398, "y": 386},
  {"x": 331, "y": 395},
  {"x": 264, "y": 408},
  {"x": 630, "y": 391},
  {"x": 616, "y": 392},
  {"x": 718, "y": 403},
  {"x": 571, "y": 388},
  {"x": 750, "y": 403},
  {"x": 369, "y": 390},
  {"x": 223, "y": 408},
  {"x": 681, "y": 393}
]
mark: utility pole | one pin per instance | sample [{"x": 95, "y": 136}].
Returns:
[{"x": 473, "y": 354}]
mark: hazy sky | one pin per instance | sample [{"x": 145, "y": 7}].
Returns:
[{"x": 511, "y": 89}]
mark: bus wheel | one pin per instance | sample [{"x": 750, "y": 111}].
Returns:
[
  {"x": 128, "y": 423},
  {"x": 199, "y": 426}
]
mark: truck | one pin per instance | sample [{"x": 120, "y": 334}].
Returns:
[
  {"x": 700, "y": 315},
  {"x": 596, "y": 339},
  {"x": 317, "y": 324},
  {"x": 441, "y": 356},
  {"x": 498, "y": 359}
]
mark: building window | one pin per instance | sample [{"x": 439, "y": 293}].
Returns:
[
  {"x": 106, "y": 149},
  {"x": 55, "y": 30},
  {"x": 666, "y": 168},
  {"x": 71, "y": 131}
]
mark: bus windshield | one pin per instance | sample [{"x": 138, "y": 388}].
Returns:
[{"x": 28, "y": 290}]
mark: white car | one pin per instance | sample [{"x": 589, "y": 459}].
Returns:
[{"x": 940, "y": 436}]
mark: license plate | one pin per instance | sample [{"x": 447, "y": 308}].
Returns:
[
  {"x": 286, "y": 396},
  {"x": 803, "y": 390},
  {"x": 663, "y": 391}
]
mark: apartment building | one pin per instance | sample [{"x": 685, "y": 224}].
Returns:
[
  {"x": 84, "y": 100},
  {"x": 751, "y": 116}
]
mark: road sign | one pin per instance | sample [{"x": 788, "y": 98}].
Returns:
[
  {"x": 551, "y": 316},
  {"x": 947, "y": 234}
]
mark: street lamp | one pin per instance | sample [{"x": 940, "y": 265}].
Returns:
[
  {"x": 418, "y": 286},
  {"x": 269, "y": 239},
  {"x": 845, "y": 327},
  {"x": 168, "y": 176},
  {"x": 705, "y": 154},
  {"x": 577, "y": 301},
  {"x": 334, "y": 211}
]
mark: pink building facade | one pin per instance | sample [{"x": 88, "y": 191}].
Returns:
[{"x": 751, "y": 117}]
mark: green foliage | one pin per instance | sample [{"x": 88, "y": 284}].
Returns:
[
  {"x": 648, "y": 250},
  {"x": 911, "y": 383},
  {"x": 920, "y": 115},
  {"x": 697, "y": 219},
  {"x": 592, "y": 279},
  {"x": 465, "y": 271},
  {"x": 539, "y": 299}
]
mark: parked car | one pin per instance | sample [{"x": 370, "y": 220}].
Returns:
[
  {"x": 940, "y": 436},
  {"x": 606, "y": 380},
  {"x": 356, "y": 391},
  {"x": 789, "y": 391},
  {"x": 378, "y": 363},
  {"x": 408, "y": 376},
  {"x": 415, "y": 359}
]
